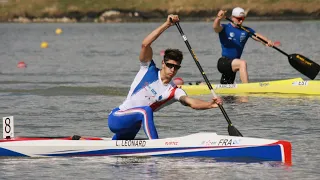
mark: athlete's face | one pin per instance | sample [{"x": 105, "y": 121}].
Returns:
[
  {"x": 238, "y": 20},
  {"x": 170, "y": 68}
]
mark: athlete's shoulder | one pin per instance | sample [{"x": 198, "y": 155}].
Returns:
[
  {"x": 249, "y": 28},
  {"x": 148, "y": 64},
  {"x": 224, "y": 26},
  {"x": 179, "y": 90},
  {"x": 180, "y": 95},
  {"x": 229, "y": 25},
  {"x": 223, "y": 30}
]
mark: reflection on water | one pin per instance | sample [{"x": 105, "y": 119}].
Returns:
[
  {"x": 69, "y": 91},
  {"x": 235, "y": 99},
  {"x": 139, "y": 168}
]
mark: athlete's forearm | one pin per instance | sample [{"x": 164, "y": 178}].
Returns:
[
  {"x": 155, "y": 34},
  {"x": 262, "y": 37},
  {"x": 146, "y": 50},
  {"x": 217, "y": 25},
  {"x": 197, "y": 103}
]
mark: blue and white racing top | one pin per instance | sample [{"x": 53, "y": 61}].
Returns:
[
  {"x": 233, "y": 40},
  {"x": 147, "y": 89}
]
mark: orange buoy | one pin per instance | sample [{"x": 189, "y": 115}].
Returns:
[
  {"x": 21, "y": 64},
  {"x": 178, "y": 81},
  {"x": 162, "y": 53},
  {"x": 277, "y": 43}
]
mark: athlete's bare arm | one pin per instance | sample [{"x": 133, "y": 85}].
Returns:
[
  {"x": 146, "y": 50},
  {"x": 270, "y": 43},
  {"x": 216, "y": 23},
  {"x": 198, "y": 103}
]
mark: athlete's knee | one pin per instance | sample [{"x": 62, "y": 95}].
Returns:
[
  {"x": 112, "y": 120},
  {"x": 111, "y": 124}
]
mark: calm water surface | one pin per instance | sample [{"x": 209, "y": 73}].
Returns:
[{"x": 70, "y": 87}]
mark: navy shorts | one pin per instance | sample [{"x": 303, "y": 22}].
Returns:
[{"x": 225, "y": 68}]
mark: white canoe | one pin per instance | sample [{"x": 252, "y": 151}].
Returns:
[{"x": 221, "y": 148}]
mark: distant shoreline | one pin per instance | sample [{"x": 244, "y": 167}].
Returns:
[
  {"x": 121, "y": 18},
  {"x": 102, "y": 11}
]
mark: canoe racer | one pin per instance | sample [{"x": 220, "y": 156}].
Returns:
[
  {"x": 233, "y": 40},
  {"x": 151, "y": 90}
]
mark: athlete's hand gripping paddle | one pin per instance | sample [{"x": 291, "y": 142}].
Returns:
[
  {"x": 233, "y": 131},
  {"x": 301, "y": 63}
]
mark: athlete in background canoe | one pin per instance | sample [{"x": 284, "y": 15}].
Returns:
[
  {"x": 233, "y": 40},
  {"x": 151, "y": 90}
]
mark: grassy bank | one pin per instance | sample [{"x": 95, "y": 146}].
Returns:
[{"x": 59, "y": 8}]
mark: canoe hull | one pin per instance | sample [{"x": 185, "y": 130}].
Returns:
[
  {"x": 289, "y": 86},
  {"x": 194, "y": 145}
]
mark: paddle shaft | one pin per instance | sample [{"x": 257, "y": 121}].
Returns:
[{"x": 202, "y": 72}]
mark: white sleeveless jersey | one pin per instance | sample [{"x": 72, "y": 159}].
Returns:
[{"x": 147, "y": 89}]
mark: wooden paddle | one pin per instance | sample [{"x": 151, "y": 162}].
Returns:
[
  {"x": 233, "y": 131},
  {"x": 301, "y": 63}
]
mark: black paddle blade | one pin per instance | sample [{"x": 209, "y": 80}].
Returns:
[
  {"x": 233, "y": 131},
  {"x": 304, "y": 65}
]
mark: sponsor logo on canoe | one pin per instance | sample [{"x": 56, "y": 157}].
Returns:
[
  {"x": 264, "y": 84},
  {"x": 171, "y": 143},
  {"x": 209, "y": 143},
  {"x": 226, "y": 86},
  {"x": 228, "y": 142},
  {"x": 300, "y": 83},
  {"x": 131, "y": 143}
]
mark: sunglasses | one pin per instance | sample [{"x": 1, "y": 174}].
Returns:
[
  {"x": 239, "y": 18},
  {"x": 170, "y": 66}
]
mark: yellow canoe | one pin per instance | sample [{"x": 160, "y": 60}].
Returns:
[{"x": 288, "y": 86}]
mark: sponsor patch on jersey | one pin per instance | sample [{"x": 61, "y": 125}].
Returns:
[{"x": 242, "y": 37}]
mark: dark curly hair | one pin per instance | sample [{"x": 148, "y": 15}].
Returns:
[{"x": 173, "y": 54}]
